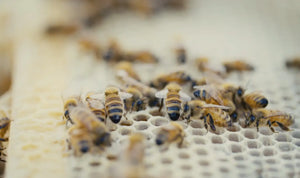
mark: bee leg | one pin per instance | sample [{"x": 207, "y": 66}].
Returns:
[
  {"x": 211, "y": 122},
  {"x": 257, "y": 125},
  {"x": 161, "y": 105},
  {"x": 283, "y": 127},
  {"x": 205, "y": 123},
  {"x": 270, "y": 126}
]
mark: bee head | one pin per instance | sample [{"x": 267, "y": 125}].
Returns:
[
  {"x": 84, "y": 146},
  {"x": 103, "y": 139},
  {"x": 161, "y": 139},
  {"x": 240, "y": 92},
  {"x": 250, "y": 119}
]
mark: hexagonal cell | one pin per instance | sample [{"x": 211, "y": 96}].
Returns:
[
  {"x": 126, "y": 122},
  {"x": 297, "y": 143},
  {"x": 267, "y": 141},
  {"x": 235, "y": 137},
  {"x": 186, "y": 167},
  {"x": 95, "y": 164},
  {"x": 253, "y": 144},
  {"x": 159, "y": 121},
  {"x": 269, "y": 152},
  {"x": 236, "y": 148},
  {"x": 217, "y": 139},
  {"x": 241, "y": 166},
  {"x": 206, "y": 174},
  {"x": 201, "y": 152},
  {"x": 200, "y": 141},
  {"x": 271, "y": 161},
  {"x": 286, "y": 156},
  {"x": 183, "y": 155},
  {"x": 199, "y": 132},
  {"x": 166, "y": 160},
  {"x": 124, "y": 131},
  {"x": 141, "y": 117},
  {"x": 224, "y": 169},
  {"x": 285, "y": 147},
  {"x": 251, "y": 134},
  {"x": 265, "y": 131},
  {"x": 141, "y": 126},
  {"x": 296, "y": 134},
  {"x": 203, "y": 163},
  {"x": 234, "y": 128},
  {"x": 196, "y": 124},
  {"x": 255, "y": 153},
  {"x": 283, "y": 137},
  {"x": 239, "y": 158},
  {"x": 157, "y": 113}
]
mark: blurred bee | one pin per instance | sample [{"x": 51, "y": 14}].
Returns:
[
  {"x": 4, "y": 125},
  {"x": 85, "y": 120},
  {"x": 96, "y": 106},
  {"x": 128, "y": 68},
  {"x": 179, "y": 77},
  {"x": 89, "y": 45},
  {"x": 113, "y": 53},
  {"x": 295, "y": 62},
  {"x": 137, "y": 102},
  {"x": 204, "y": 66},
  {"x": 254, "y": 100},
  {"x": 141, "y": 56},
  {"x": 237, "y": 65},
  {"x": 200, "y": 82},
  {"x": 135, "y": 150},
  {"x": 172, "y": 133},
  {"x": 173, "y": 100},
  {"x": 180, "y": 55},
  {"x": 70, "y": 104},
  {"x": 56, "y": 29},
  {"x": 266, "y": 117},
  {"x": 80, "y": 141}
]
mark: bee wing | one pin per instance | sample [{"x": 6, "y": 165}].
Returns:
[
  {"x": 213, "y": 92},
  {"x": 161, "y": 94},
  {"x": 213, "y": 78},
  {"x": 215, "y": 106},
  {"x": 125, "y": 95},
  {"x": 184, "y": 96}
]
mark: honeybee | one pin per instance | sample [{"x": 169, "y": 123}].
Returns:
[
  {"x": 128, "y": 68},
  {"x": 295, "y": 62},
  {"x": 57, "y": 29},
  {"x": 173, "y": 100},
  {"x": 113, "y": 53},
  {"x": 137, "y": 102},
  {"x": 209, "y": 94},
  {"x": 96, "y": 106},
  {"x": 89, "y": 45},
  {"x": 4, "y": 125},
  {"x": 179, "y": 77},
  {"x": 172, "y": 133},
  {"x": 141, "y": 56},
  {"x": 86, "y": 121},
  {"x": 80, "y": 141},
  {"x": 204, "y": 66},
  {"x": 237, "y": 65},
  {"x": 254, "y": 100},
  {"x": 180, "y": 55},
  {"x": 69, "y": 104},
  {"x": 266, "y": 117}
]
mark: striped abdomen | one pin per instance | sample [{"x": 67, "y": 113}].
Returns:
[
  {"x": 173, "y": 105},
  {"x": 205, "y": 96},
  {"x": 100, "y": 113},
  {"x": 255, "y": 101},
  {"x": 285, "y": 119},
  {"x": 114, "y": 108}
]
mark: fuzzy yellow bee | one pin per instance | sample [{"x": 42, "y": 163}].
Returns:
[
  {"x": 172, "y": 133},
  {"x": 237, "y": 65},
  {"x": 128, "y": 68},
  {"x": 137, "y": 102},
  {"x": 69, "y": 104},
  {"x": 173, "y": 98},
  {"x": 266, "y": 117},
  {"x": 254, "y": 100},
  {"x": 179, "y": 77},
  {"x": 96, "y": 106}
]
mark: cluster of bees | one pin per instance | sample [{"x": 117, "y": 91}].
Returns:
[{"x": 210, "y": 99}]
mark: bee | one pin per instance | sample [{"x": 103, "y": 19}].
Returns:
[
  {"x": 179, "y": 77},
  {"x": 57, "y": 29},
  {"x": 128, "y": 68},
  {"x": 89, "y": 45},
  {"x": 180, "y": 55},
  {"x": 141, "y": 56},
  {"x": 137, "y": 102},
  {"x": 254, "y": 100},
  {"x": 113, "y": 53},
  {"x": 97, "y": 107},
  {"x": 4, "y": 125},
  {"x": 69, "y": 104},
  {"x": 172, "y": 133},
  {"x": 86, "y": 121},
  {"x": 295, "y": 62},
  {"x": 173, "y": 100},
  {"x": 80, "y": 141},
  {"x": 135, "y": 150},
  {"x": 204, "y": 66},
  {"x": 237, "y": 65},
  {"x": 209, "y": 94},
  {"x": 266, "y": 117}
]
